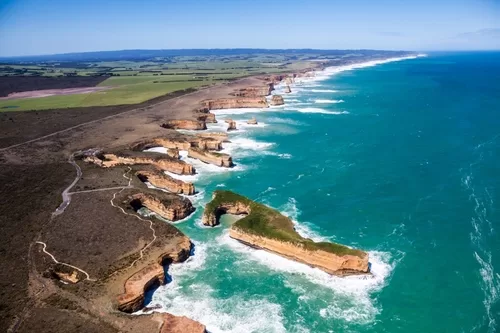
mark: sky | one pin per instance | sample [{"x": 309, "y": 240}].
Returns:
[{"x": 36, "y": 27}]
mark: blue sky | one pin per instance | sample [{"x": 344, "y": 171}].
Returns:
[{"x": 30, "y": 27}]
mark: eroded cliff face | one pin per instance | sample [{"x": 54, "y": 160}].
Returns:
[
  {"x": 205, "y": 116},
  {"x": 187, "y": 124},
  {"x": 218, "y": 159},
  {"x": 211, "y": 218},
  {"x": 159, "y": 179},
  {"x": 135, "y": 287},
  {"x": 166, "y": 163},
  {"x": 220, "y": 136},
  {"x": 232, "y": 103},
  {"x": 181, "y": 142},
  {"x": 176, "y": 324},
  {"x": 169, "y": 206},
  {"x": 277, "y": 100},
  {"x": 258, "y": 91},
  {"x": 326, "y": 261}
]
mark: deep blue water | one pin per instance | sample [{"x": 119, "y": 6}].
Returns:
[{"x": 400, "y": 159}]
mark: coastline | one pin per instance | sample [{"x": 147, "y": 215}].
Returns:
[
  {"x": 382, "y": 270},
  {"x": 114, "y": 132}
]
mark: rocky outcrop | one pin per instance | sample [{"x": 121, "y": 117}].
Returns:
[
  {"x": 220, "y": 136},
  {"x": 259, "y": 91},
  {"x": 252, "y": 121},
  {"x": 161, "y": 161},
  {"x": 231, "y": 125},
  {"x": 186, "y": 124},
  {"x": 211, "y": 216},
  {"x": 326, "y": 261},
  {"x": 287, "y": 89},
  {"x": 275, "y": 78},
  {"x": 277, "y": 100},
  {"x": 152, "y": 275},
  {"x": 170, "y": 206},
  {"x": 268, "y": 229},
  {"x": 234, "y": 103},
  {"x": 164, "y": 181},
  {"x": 218, "y": 159},
  {"x": 176, "y": 324},
  {"x": 206, "y": 116},
  {"x": 182, "y": 142}
]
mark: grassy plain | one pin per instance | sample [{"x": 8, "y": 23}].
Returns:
[{"x": 134, "y": 82}]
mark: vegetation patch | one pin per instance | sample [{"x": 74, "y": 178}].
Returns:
[{"x": 267, "y": 222}]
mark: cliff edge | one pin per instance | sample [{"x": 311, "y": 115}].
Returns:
[{"x": 266, "y": 228}]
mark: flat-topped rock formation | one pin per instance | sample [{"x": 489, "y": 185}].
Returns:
[
  {"x": 234, "y": 103},
  {"x": 221, "y": 136},
  {"x": 287, "y": 89},
  {"x": 176, "y": 324},
  {"x": 170, "y": 206},
  {"x": 252, "y": 121},
  {"x": 258, "y": 91},
  {"x": 268, "y": 229},
  {"x": 277, "y": 100},
  {"x": 231, "y": 125},
  {"x": 129, "y": 157},
  {"x": 205, "y": 115},
  {"x": 159, "y": 179},
  {"x": 218, "y": 159},
  {"x": 150, "y": 276},
  {"x": 186, "y": 124},
  {"x": 180, "y": 141}
]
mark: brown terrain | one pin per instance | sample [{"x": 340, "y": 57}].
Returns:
[{"x": 75, "y": 251}]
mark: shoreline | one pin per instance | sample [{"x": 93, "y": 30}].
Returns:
[{"x": 122, "y": 130}]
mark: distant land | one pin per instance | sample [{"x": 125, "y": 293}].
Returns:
[{"x": 147, "y": 54}]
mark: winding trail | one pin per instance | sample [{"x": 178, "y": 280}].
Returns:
[
  {"x": 66, "y": 196},
  {"x": 62, "y": 263},
  {"x": 141, "y": 253}
]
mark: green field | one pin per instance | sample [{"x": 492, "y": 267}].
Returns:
[{"x": 134, "y": 82}]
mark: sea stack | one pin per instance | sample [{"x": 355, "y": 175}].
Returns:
[
  {"x": 277, "y": 100},
  {"x": 231, "y": 125},
  {"x": 252, "y": 121},
  {"x": 287, "y": 89}
]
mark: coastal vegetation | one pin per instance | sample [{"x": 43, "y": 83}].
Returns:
[
  {"x": 132, "y": 77},
  {"x": 264, "y": 221}
]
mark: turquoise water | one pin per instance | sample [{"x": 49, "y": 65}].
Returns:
[{"x": 400, "y": 159}]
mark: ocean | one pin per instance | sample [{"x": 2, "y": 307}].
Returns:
[{"x": 401, "y": 159}]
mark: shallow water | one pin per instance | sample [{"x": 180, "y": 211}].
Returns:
[{"x": 405, "y": 167}]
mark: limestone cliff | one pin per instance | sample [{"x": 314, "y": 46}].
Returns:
[
  {"x": 205, "y": 115},
  {"x": 176, "y": 324},
  {"x": 233, "y": 103},
  {"x": 170, "y": 206},
  {"x": 187, "y": 124},
  {"x": 221, "y": 136},
  {"x": 257, "y": 91},
  {"x": 161, "y": 161},
  {"x": 180, "y": 141},
  {"x": 139, "y": 283},
  {"x": 268, "y": 229},
  {"x": 159, "y": 179},
  {"x": 277, "y": 100},
  {"x": 218, "y": 159},
  {"x": 326, "y": 261}
]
